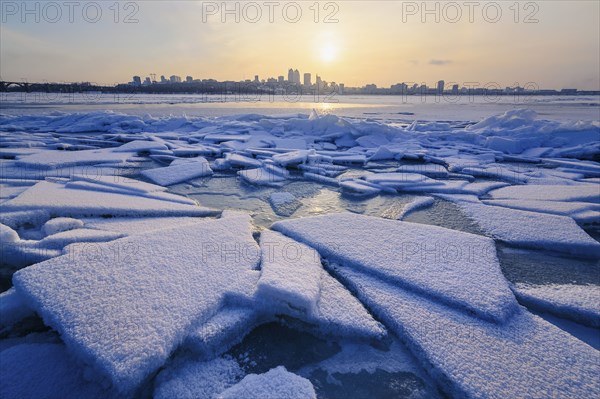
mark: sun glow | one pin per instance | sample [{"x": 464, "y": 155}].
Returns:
[{"x": 328, "y": 53}]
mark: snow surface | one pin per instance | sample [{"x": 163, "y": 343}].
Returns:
[
  {"x": 152, "y": 307},
  {"x": 60, "y": 200},
  {"x": 290, "y": 274},
  {"x": 524, "y": 357},
  {"x": 160, "y": 284},
  {"x": 179, "y": 173},
  {"x": 408, "y": 254},
  {"x": 192, "y": 379},
  {"x": 276, "y": 383}
]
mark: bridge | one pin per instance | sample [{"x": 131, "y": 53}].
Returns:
[{"x": 23, "y": 85}]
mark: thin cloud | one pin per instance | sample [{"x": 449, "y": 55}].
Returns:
[{"x": 440, "y": 62}]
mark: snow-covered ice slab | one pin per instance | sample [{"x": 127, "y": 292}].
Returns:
[
  {"x": 124, "y": 314},
  {"x": 178, "y": 173},
  {"x": 190, "y": 379},
  {"x": 224, "y": 330},
  {"x": 576, "y": 302},
  {"x": 276, "y": 383},
  {"x": 131, "y": 226},
  {"x": 13, "y": 308},
  {"x": 290, "y": 274},
  {"x": 120, "y": 182},
  {"x": 415, "y": 205},
  {"x": 524, "y": 357},
  {"x": 575, "y": 192},
  {"x": 532, "y": 229},
  {"x": 581, "y": 212},
  {"x": 262, "y": 177},
  {"x": 64, "y": 238},
  {"x": 63, "y": 159},
  {"x": 58, "y": 225},
  {"x": 59, "y": 200},
  {"x": 465, "y": 266},
  {"x": 284, "y": 203}
]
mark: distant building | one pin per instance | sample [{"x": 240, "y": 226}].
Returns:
[
  {"x": 297, "y": 77},
  {"x": 307, "y": 79},
  {"x": 319, "y": 83},
  {"x": 440, "y": 87},
  {"x": 147, "y": 81},
  {"x": 341, "y": 88},
  {"x": 281, "y": 79},
  {"x": 291, "y": 75},
  {"x": 454, "y": 89},
  {"x": 175, "y": 79},
  {"x": 189, "y": 79},
  {"x": 163, "y": 79},
  {"x": 256, "y": 80},
  {"x": 137, "y": 81}
]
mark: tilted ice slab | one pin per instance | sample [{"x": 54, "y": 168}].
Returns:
[
  {"x": 179, "y": 173},
  {"x": 276, "y": 383},
  {"x": 290, "y": 274},
  {"x": 119, "y": 182},
  {"x": 576, "y": 302},
  {"x": 52, "y": 159},
  {"x": 576, "y": 192},
  {"x": 64, "y": 238},
  {"x": 128, "y": 307},
  {"x": 417, "y": 204},
  {"x": 130, "y": 226},
  {"x": 59, "y": 200},
  {"x": 262, "y": 177},
  {"x": 190, "y": 379},
  {"x": 293, "y": 282},
  {"x": 581, "y": 212},
  {"x": 532, "y": 229},
  {"x": 524, "y": 357},
  {"x": 465, "y": 266}
]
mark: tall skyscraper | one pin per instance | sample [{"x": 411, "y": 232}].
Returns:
[
  {"x": 297, "y": 77},
  {"x": 307, "y": 79},
  {"x": 291, "y": 76},
  {"x": 440, "y": 87},
  {"x": 137, "y": 81}
]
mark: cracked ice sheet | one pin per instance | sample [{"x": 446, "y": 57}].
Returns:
[
  {"x": 124, "y": 314},
  {"x": 524, "y": 357},
  {"x": 408, "y": 254}
]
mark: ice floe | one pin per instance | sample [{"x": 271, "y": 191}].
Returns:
[
  {"x": 276, "y": 383},
  {"x": 409, "y": 254},
  {"x": 159, "y": 282}
]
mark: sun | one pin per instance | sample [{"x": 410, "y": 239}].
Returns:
[{"x": 328, "y": 53}]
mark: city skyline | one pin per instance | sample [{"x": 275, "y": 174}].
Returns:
[{"x": 368, "y": 42}]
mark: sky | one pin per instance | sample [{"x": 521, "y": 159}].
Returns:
[{"x": 548, "y": 44}]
